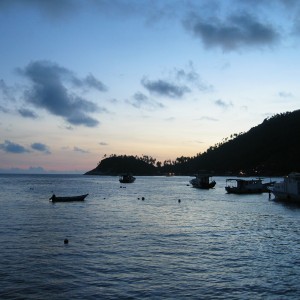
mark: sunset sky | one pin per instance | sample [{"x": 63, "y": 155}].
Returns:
[{"x": 83, "y": 78}]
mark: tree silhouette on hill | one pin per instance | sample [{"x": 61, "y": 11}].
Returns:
[{"x": 270, "y": 148}]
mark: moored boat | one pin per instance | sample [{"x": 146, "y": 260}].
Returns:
[
  {"x": 203, "y": 182},
  {"x": 247, "y": 186},
  {"x": 288, "y": 189},
  {"x": 54, "y": 198},
  {"x": 126, "y": 178}
]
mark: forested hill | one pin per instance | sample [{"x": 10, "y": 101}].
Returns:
[
  {"x": 116, "y": 165},
  {"x": 271, "y": 148}
]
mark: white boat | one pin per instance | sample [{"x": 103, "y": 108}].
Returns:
[
  {"x": 246, "y": 186},
  {"x": 288, "y": 189}
]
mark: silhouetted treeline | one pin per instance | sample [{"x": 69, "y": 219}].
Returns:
[
  {"x": 115, "y": 165},
  {"x": 271, "y": 148}
]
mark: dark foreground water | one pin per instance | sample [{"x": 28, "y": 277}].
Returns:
[{"x": 211, "y": 245}]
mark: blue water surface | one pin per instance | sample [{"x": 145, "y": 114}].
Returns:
[{"x": 208, "y": 245}]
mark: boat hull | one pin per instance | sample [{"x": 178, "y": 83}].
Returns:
[
  {"x": 68, "y": 199},
  {"x": 288, "y": 189},
  {"x": 244, "y": 186},
  {"x": 126, "y": 178},
  {"x": 203, "y": 186},
  {"x": 127, "y": 181},
  {"x": 234, "y": 190},
  {"x": 286, "y": 196},
  {"x": 203, "y": 181}
]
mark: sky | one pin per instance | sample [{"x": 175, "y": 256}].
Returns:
[{"x": 81, "y": 79}]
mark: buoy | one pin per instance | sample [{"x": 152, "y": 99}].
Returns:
[{"x": 66, "y": 241}]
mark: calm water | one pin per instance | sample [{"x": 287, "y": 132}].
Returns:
[{"x": 211, "y": 245}]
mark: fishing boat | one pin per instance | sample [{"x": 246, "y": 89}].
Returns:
[
  {"x": 54, "y": 198},
  {"x": 247, "y": 186},
  {"x": 288, "y": 189},
  {"x": 203, "y": 182},
  {"x": 126, "y": 178}
]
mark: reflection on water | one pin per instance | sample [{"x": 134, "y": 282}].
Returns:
[{"x": 210, "y": 245}]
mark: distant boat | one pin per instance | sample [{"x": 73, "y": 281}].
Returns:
[
  {"x": 288, "y": 189},
  {"x": 203, "y": 182},
  {"x": 170, "y": 174},
  {"x": 244, "y": 186},
  {"x": 126, "y": 178},
  {"x": 54, "y": 198}
]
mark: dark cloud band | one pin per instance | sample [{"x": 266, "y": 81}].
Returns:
[
  {"x": 165, "y": 88},
  {"x": 237, "y": 31},
  {"x": 49, "y": 91}
]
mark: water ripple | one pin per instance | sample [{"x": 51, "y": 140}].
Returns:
[{"x": 211, "y": 245}]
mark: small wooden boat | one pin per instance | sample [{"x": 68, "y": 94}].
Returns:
[
  {"x": 54, "y": 198},
  {"x": 126, "y": 178},
  {"x": 203, "y": 182}
]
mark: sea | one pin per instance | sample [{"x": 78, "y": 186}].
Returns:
[{"x": 156, "y": 238}]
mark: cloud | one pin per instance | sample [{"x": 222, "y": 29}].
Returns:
[
  {"x": 40, "y": 147},
  {"x": 177, "y": 83},
  {"x": 37, "y": 170},
  {"x": 165, "y": 88},
  {"x": 103, "y": 144},
  {"x": 151, "y": 11},
  {"x": 30, "y": 170},
  {"x": 7, "y": 93},
  {"x": 79, "y": 118},
  {"x": 237, "y": 31},
  {"x": 140, "y": 97},
  {"x": 27, "y": 113},
  {"x": 49, "y": 91},
  {"x": 11, "y": 147},
  {"x": 90, "y": 81},
  {"x": 170, "y": 119},
  {"x": 285, "y": 94},
  {"x": 245, "y": 26},
  {"x": 3, "y": 109},
  {"x": 53, "y": 8},
  {"x": 223, "y": 104},
  {"x": 140, "y": 100},
  {"x": 191, "y": 77},
  {"x": 206, "y": 118},
  {"x": 69, "y": 127},
  {"x": 76, "y": 149}
]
